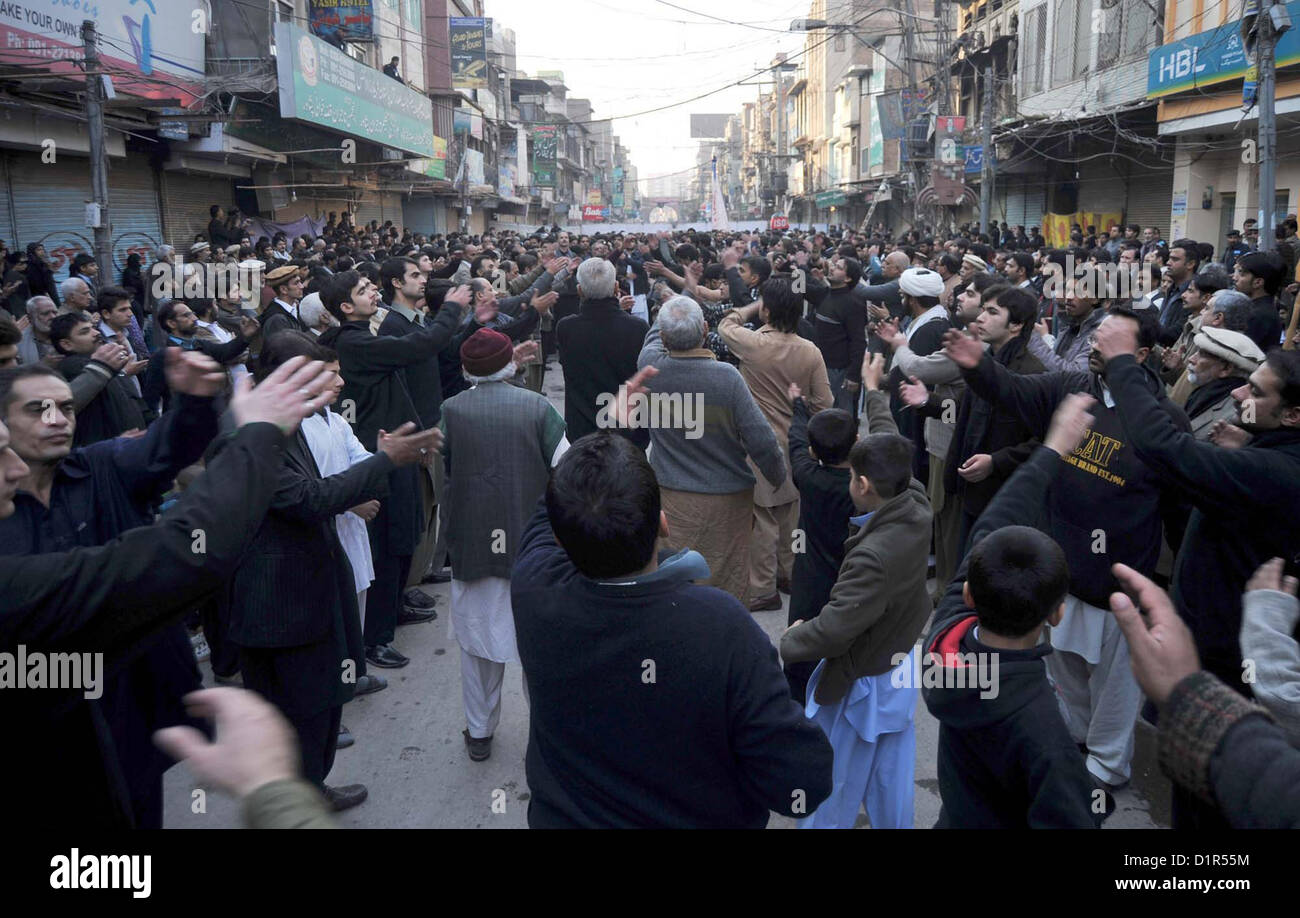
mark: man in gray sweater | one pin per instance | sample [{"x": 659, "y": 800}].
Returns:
[{"x": 703, "y": 423}]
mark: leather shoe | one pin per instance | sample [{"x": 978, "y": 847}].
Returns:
[
  {"x": 783, "y": 585},
  {"x": 479, "y": 749},
  {"x": 418, "y": 599},
  {"x": 346, "y": 796},
  {"x": 384, "y": 655},
  {"x": 412, "y": 616},
  {"x": 234, "y": 679},
  {"x": 346, "y": 738},
  {"x": 368, "y": 684},
  {"x": 436, "y": 577},
  {"x": 766, "y": 603}
]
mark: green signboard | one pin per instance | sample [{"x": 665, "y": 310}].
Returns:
[
  {"x": 322, "y": 85},
  {"x": 830, "y": 198}
]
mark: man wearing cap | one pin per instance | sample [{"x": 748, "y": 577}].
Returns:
[
  {"x": 971, "y": 265},
  {"x": 920, "y": 289},
  {"x": 499, "y": 443},
  {"x": 1243, "y": 502},
  {"x": 1235, "y": 249},
  {"x": 282, "y": 313},
  {"x": 1220, "y": 364},
  {"x": 201, "y": 253}
]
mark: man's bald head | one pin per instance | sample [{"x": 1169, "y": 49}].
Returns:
[{"x": 895, "y": 263}]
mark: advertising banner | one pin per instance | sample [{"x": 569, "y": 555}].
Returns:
[
  {"x": 468, "y": 39},
  {"x": 322, "y": 85},
  {"x": 1211, "y": 57},
  {"x": 339, "y": 21},
  {"x": 154, "y": 50}
]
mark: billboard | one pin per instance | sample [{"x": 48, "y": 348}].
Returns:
[
  {"x": 468, "y": 39},
  {"x": 322, "y": 85},
  {"x": 339, "y": 21},
  {"x": 436, "y": 165},
  {"x": 545, "y": 145},
  {"x": 1211, "y": 57},
  {"x": 153, "y": 50},
  {"x": 709, "y": 125}
]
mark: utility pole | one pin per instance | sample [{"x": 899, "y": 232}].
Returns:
[
  {"x": 782, "y": 166},
  {"x": 1265, "y": 55},
  {"x": 98, "y": 150},
  {"x": 464, "y": 183},
  {"x": 986, "y": 138}
]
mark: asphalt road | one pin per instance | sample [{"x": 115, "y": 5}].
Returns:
[{"x": 410, "y": 754}]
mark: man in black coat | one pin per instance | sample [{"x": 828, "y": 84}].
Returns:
[
  {"x": 599, "y": 348},
  {"x": 293, "y": 600},
  {"x": 281, "y": 314},
  {"x": 125, "y": 598},
  {"x": 1243, "y": 501},
  {"x": 376, "y": 397}
]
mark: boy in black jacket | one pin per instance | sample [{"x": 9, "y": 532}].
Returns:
[
  {"x": 1006, "y": 758},
  {"x": 819, "y": 463}
]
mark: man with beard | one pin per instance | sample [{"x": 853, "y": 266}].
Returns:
[
  {"x": 1107, "y": 506},
  {"x": 1218, "y": 366},
  {"x": 1243, "y": 503}
]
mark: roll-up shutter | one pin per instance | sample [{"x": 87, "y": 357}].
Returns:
[
  {"x": 1150, "y": 199},
  {"x": 50, "y": 207},
  {"x": 186, "y": 199},
  {"x": 133, "y": 205},
  {"x": 7, "y": 231},
  {"x": 1026, "y": 203}
]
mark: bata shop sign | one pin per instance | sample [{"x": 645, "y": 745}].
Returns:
[{"x": 591, "y": 213}]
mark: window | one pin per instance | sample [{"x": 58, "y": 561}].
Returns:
[
  {"x": 1062, "y": 47},
  {"x": 839, "y": 41},
  {"x": 1034, "y": 50},
  {"x": 283, "y": 11},
  {"x": 1083, "y": 29}
]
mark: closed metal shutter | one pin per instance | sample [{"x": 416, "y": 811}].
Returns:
[
  {"x": 49, "y": 202},
  {"x": 1150, "y": 198},
  {"x": 7, "y": 231},
  {"x": 1026, "y": 203},
  {"x": 186, "y": 199},
  {"x": 1101, "y": 188}
]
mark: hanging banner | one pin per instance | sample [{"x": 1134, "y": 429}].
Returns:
[
  {"x": 468, "y": 39},
  {"x": 339, "y": 21},
  {"x": 436, "y": 165},
  {"x": 545, "y": 145}
]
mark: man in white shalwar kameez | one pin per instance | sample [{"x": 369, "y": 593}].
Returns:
[{"x": 500, "y": 442}]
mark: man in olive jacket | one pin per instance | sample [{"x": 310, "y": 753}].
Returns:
[{"x": 862, "y": 693}]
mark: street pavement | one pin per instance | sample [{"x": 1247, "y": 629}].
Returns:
[{"x": 410, "y": 753}]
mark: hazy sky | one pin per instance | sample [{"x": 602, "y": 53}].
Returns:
[{"x": 627, "y": 56}]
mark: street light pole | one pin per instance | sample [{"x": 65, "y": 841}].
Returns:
[
  {"x": 1267, "y": 45},
  {"x": 98, "y": 150}
]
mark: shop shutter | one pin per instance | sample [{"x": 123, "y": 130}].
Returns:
[
  {"x": 1026, "y": 203},
  {"x": 186, "y": 198},
  {"x": 49, "y": 201},
  {"x": 1150, "y": 198},
  {"x": 7, "y": 232}
]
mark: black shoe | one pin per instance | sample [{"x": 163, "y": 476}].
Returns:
[
  {"x": 416, "y": 598},
  {"x": 345, "y": 797},
  {"x": 479, "y": 749},
  {"x": 346, "y": 738},
  {"x": 368, "y": 684},
  {"x": 1108, "y": 799},
  {"x": 384, "y": 655},
  {"x": 436, "y": 577},
  {"x": 413, "y": 616}
]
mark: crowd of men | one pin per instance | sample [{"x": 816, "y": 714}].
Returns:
[{"x": 969, "y": 454}]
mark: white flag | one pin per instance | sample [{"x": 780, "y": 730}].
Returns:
[{"x": 719, "y": 217}]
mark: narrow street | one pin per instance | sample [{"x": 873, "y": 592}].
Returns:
[{"x": 410, "y": 754}]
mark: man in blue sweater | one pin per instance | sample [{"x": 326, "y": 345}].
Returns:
[{"x": 654, "y": 702}]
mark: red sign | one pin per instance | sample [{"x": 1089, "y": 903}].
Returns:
[
  {"x": 780, "y": 223},
  {"x": 593, "y": 212}
]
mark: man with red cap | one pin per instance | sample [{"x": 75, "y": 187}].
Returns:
[{"x": 499, "y": 444}]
